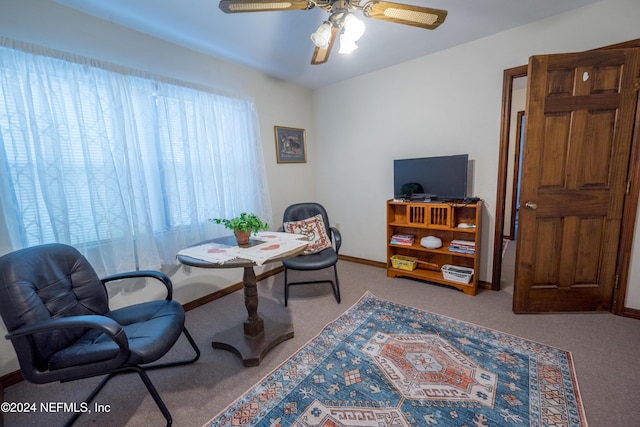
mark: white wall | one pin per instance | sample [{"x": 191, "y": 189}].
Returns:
[
  {"x": 445, "y": 103},
  {"x": 48, "y": 24}
]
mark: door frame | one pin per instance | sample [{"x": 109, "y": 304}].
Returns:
[
  {"x": 515, "y": 187},
  {"x": 508, "y": 76},
  {"x": 631, "y": 203}
]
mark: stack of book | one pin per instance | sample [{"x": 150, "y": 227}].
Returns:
[
  {"x": 463, "y": 246},
  {"x": 403, "y": 239}
]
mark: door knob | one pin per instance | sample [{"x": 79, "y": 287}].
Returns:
[{"x": 531, "y": 205}]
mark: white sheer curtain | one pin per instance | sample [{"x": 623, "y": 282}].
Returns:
[{"x": 127, "y": 169}]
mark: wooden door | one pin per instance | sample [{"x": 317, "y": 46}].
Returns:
[{"x": 580, "y": 114}]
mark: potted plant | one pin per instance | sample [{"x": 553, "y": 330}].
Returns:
[{"x": 243, "y": 226}]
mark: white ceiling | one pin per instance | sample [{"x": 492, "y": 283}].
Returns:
[{"x": 278, "y": 43}]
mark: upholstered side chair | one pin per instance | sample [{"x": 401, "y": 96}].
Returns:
[
  {"x": 57, "y": 314},
  {"x": 312, "y": 220}
]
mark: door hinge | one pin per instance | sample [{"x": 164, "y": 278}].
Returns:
[
  {"x": 628, "y": 190},
  {"x": 617, "y": 281}
]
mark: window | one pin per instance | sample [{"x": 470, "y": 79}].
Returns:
[{"x": 125, "y": 168}]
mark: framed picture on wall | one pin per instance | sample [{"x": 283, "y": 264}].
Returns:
[{"x": 290, "y": 145}]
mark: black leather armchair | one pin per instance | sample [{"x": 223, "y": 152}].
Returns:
[
  {"x": 325, "y": 258},
  {"x": 57, "y": 314}
]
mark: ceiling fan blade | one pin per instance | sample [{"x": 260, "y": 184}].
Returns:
[
  {"x": 417, "y": 16},
  {"x": 320, "y": 56},
  {"x": 237, "y": 6}
]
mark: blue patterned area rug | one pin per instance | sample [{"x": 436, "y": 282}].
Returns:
[{"x": 386, "y": 364}]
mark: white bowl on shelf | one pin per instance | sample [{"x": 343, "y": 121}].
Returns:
[{"x": 431, "y": 242}]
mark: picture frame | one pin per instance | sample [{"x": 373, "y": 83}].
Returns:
[{"x": 291, "y": 146}]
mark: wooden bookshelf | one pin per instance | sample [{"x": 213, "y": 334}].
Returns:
[{"x": 442, "y": 220}]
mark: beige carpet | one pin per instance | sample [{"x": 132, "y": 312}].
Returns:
[{"x": 605, "y": 349}]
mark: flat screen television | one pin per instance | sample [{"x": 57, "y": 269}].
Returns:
[{"x": 439, "y": 178}]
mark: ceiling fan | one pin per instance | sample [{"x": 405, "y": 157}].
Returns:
[{"x": 341, "y": 20}]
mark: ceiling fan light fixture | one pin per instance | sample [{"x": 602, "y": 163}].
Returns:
[
  {"x": 347, "y": 45},
  {"x": 353, "y": 29},
  {"x": 342, "y": 20},
  {"x": 322, "y": 35}
]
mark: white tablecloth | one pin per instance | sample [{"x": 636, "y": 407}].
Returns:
[{"x": 264, "y": 246}]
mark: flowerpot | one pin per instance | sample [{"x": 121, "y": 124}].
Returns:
[{"x": 242, "y": 237}]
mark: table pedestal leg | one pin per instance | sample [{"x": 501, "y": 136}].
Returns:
[
  {"x": 253, "y": 339},
  {"x": 254, "y": 325}
]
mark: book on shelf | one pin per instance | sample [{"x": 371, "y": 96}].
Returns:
[
  {"x": 403, "y": 239},
  {"x": 463, "y": 246}
]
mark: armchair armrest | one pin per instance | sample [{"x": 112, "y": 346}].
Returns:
[
  {"x": 105, "y": 324},
  {"x": 337, "y": 238},
  {"x": 163, "y": 278}
]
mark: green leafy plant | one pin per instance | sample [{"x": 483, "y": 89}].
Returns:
[{"x": 246, "y": 222}]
